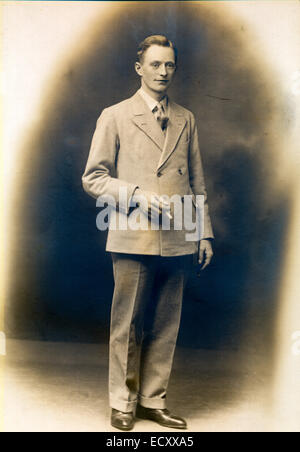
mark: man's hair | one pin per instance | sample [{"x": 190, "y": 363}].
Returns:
[{"x": 158, "y": 40}]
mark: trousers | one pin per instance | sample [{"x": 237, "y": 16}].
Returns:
[{"x": 145, "y": 319}]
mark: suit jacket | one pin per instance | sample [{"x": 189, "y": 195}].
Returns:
[{"x": 130, "y": 150}]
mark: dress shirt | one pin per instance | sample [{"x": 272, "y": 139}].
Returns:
[{"x": 152, "y": 103}]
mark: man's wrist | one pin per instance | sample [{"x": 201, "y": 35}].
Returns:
[{"x": 208, "y": 239}]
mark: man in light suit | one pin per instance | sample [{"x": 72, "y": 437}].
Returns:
[{"x": 145, "y": 150}]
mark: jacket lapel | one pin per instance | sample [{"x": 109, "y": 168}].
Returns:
[
  {"x": 145, "y": 120},
  {"x": 175, "y": 127}
]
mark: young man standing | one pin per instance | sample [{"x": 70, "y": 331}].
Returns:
[{"x": 145, "y": 150}]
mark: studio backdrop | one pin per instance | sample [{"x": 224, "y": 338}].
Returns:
[{"x": 61, "y": 277}]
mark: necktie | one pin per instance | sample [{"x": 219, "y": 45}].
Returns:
[{"x": 160, "y": 116}]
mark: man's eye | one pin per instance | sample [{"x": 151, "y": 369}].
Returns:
[
  {"x": 171, "y": 65},
  {"x": 156, "y": 65}
]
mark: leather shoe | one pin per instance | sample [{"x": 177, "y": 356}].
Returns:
[
  {"x": 122, "y": 421},
  {"x": 161, "y": 417}
]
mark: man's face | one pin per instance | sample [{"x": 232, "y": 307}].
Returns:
[{"x": 157, "y": 68}]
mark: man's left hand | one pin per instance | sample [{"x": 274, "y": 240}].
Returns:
[{"x": 205, "y": 253}]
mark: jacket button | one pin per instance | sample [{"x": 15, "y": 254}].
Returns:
[{"x": 159, "y": 174}]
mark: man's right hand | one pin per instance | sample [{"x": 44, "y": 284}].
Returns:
[{"x": 149, "y": 202}]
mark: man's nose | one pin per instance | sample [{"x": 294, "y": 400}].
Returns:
[{"x": 163, "y": 70}]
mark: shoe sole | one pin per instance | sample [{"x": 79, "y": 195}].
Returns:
[
  {"x": 160, "y": 423},
  {"x": 124, "y": 429}
]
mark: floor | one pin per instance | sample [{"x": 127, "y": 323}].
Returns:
[{"x": 62, "y": 387}]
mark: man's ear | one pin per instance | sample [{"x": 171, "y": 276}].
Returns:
[{"x": 138, "y": 68}]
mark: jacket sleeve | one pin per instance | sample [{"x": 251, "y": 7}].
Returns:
[
  {"x": 99, "y": 178},
  {"x": 197, "y": 181}
]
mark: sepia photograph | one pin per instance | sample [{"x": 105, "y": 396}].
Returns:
[{"x": 150, "y": 218}]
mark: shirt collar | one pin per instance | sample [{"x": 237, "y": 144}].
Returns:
[{"x": 152, "y": 102}]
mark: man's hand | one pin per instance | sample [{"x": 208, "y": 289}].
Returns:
[
  {"x": 150, "y": 202},
  {"x": 205, "y": 253}
]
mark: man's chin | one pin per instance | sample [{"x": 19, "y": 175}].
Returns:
[{"x": 160, "y": 89}]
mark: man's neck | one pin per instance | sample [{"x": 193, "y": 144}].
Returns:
[{"x": 153, "y": 94}]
